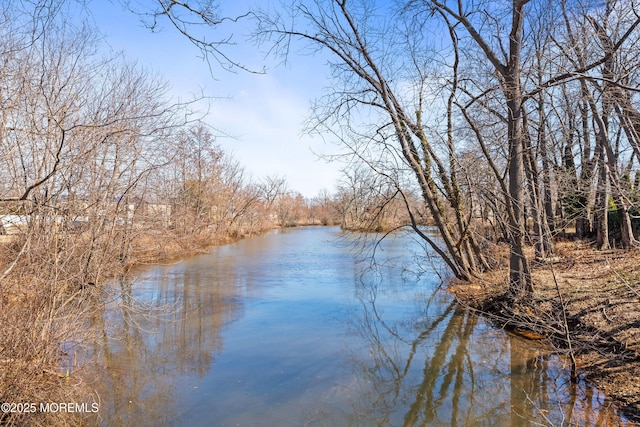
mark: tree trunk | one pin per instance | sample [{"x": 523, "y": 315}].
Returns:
[
  {"x": 547, "y": 201},
  {"x": 602, "y": 206},
  {"x": 519, "y": 276},
  {"x": 542, "y": 232}
]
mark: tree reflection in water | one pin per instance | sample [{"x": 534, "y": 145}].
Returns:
[
  {"x": 168, "y": 327},
  {"x": 314, "y": 337},
  {"x": 471, "y": 374}
]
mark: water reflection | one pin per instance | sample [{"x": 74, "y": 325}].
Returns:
[
  {"x": 291, "y": 329},
  {"x": 159, "y": 328},
  {"x": 453, "y": 368}
]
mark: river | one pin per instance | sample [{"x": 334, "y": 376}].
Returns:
[{"x": 302, "y": 327}]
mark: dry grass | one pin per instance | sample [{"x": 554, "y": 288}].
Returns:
[
  {"x": 601, "y": 295},
  {"x": 39, "y": 320},
  {"x": 50, "y": 289},
  {"x": 46, "y": 299},
  {"x": 156, "y": 246}
]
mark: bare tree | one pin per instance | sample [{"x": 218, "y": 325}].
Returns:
[
  {"x": 272, "y": 188},
  {"x": 368, "y": 59},
  {"x": 79, "y": 135},
  {"x": 604, "y": 36},
  {"x": 500, "y": 38},
  {"x": 201, "y": 22},
  {"x": 389, "y": 69}
]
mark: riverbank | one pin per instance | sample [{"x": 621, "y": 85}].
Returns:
[
  {"x": 600, "y": 293},
  {"x": 46, "y": 303},
  {"x": 298, "y": 327},
  {"x": 158, "y": 247}
]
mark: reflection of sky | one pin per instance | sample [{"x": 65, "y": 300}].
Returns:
[
  {"x": 263, "y": 112},
  {"x": 287, "y": 329}
]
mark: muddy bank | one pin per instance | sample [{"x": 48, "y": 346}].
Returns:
[{"x": 595, "y": 296}]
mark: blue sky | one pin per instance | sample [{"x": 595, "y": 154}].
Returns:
[{"x": 263, "y": 114}]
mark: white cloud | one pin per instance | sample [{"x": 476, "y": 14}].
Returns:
[
  {"x": 264, "y": 112},
  {"x": 266, "y": 116}
]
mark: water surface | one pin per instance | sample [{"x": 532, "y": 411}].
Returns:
[{"x": 301, "y": 328}]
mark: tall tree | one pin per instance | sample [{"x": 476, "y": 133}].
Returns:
[
  {"x": 499, "y": 34},
  {"x": 390, "y": 71},
  {"x": 371, "y": 61}
]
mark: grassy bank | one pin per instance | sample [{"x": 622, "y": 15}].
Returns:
[
  {"x": 50, "y": 289},
  {"x": 586, "y": 303}
]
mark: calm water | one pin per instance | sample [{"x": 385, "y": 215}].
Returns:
[{"x": 299, "y": 328}]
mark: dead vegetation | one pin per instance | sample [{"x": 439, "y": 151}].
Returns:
[
  {"x": 586, "y": 303},
  {"x": 51, "y": 287},
  {"x": 42, "y": 315}
]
